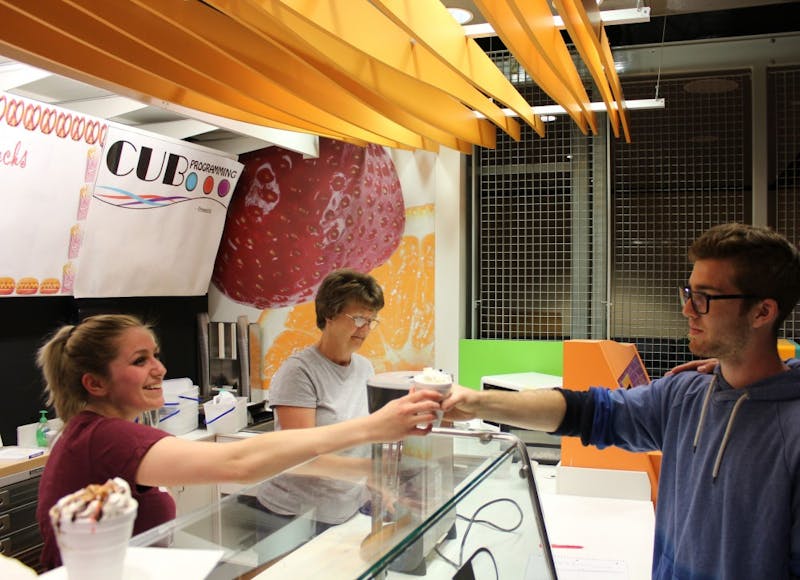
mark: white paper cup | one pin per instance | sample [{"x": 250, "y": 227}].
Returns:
[
  {"x": 442, "y": 388},
  {"x": 96, "y": 550}
]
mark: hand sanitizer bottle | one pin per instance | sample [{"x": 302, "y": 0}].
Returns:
[{"x": 42, "y": 429}]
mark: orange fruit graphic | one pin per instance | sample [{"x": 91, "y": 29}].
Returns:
[{"x": 404, "y": 338}]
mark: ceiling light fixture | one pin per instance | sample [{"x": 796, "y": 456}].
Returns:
[
  {"x": 712, "y": 86},
  {"x": 608, "y": 17},
  {"x": 461, "y": 15},
  {"x": 599, "y": 107}
]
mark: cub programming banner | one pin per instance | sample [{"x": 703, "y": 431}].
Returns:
[{"x": 157, "y": 216}]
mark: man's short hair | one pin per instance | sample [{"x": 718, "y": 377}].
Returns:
[
  {"x": 766, "y": 264},
  {"x": 342, "y": 287}
]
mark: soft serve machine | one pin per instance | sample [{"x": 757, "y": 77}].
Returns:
[
  {"x": 225, "y": 355},
  {"x": 419, "y": 470},
  {"x": 226, "y": 363}
]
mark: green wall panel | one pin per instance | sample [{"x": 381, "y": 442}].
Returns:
[{"x": 478, "y": 358}]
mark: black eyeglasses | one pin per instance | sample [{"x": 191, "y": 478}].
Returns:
[
  {"x": 360, "y": 321},
  {"x": 701, "y": 301}
]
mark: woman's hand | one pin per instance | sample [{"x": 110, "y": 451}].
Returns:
[
  {"x": 401, "y": 417},
  {"x": 705, "y": 366}
]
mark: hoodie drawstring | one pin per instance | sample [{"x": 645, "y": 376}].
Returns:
[
  {"x": 728, "y": 428},
  {"x": 703, "y": 411}
]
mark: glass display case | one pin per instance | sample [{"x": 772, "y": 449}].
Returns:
[{"x": 426, "y": 507}]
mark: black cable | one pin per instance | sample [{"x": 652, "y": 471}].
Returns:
[
  {"x": 474, "y": 519},
  {"x": 663, "y": 36},
  {"x": 489, "y": 524},
  {"x": 445, "y": 558},
  {"x": 491, "y": 556}
]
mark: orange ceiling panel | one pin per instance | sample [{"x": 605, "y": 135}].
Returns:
[
  {"x": 399, "y": 73},
  {"x": 429, "y": 22},
  {"x": 582, "y": 19}
]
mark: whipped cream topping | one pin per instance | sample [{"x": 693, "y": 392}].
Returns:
[
  {"x": 431, "y": 376},
  {"x": 93, "y": 503}
]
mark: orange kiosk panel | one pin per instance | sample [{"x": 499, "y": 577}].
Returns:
[
  {"x": 787, "y": 348},
  {"x": 606, "y": 363}
]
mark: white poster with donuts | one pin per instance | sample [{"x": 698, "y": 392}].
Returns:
[
  {"x": 48, "y": 164},
  {"x": 157, "y": 215}
]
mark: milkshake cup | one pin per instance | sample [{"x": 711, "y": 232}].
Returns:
[
  {"x": 435, "y": 380},
  {"x": 92, "y": 527}
]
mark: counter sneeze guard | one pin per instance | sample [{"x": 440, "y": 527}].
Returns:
[{"x": 432, "y": 505}]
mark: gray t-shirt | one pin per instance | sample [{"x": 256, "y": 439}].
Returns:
[{"x": 338, "y": 393}]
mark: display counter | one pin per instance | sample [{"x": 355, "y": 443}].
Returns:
[
  {"x": 14, "y": 467},
  {"x": 441, "y": 499},
  {"x": 19, "y": 532},
  {"x": 446, "y": 499}
]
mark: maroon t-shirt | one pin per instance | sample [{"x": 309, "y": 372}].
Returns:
[{"x": 93, "y": 449}]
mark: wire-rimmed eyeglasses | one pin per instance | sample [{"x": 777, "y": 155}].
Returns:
[
  {"x": 701, "y": 301},
  {"x": 360, "y": 321}
]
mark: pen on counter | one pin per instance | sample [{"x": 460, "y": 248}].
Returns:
[
  {"x": 567, "y": 546},
  {"x": 31, "y": 454}
]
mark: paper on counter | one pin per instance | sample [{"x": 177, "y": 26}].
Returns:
[
  {"x": 159, "y": 564},
  {"x": 16, "y": 453}
]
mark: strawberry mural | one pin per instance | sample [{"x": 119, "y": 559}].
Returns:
[{"x": 291, "y": 221}]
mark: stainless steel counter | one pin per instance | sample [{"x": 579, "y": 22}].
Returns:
[{"x": 263, "y": 427}]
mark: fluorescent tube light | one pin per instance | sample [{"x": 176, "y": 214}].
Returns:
[
  {"x": 634, "y": 105},
  {"x": 609, "y": 18}
]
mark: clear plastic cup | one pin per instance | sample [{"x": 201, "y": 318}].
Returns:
[{"x": 96, "y": 550}]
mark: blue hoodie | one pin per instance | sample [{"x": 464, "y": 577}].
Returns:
[{"x": 729, "y": 488}]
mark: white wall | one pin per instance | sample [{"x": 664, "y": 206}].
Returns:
[{"x": 451, "y": 259}]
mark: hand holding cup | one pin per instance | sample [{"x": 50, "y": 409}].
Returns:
[{"x": 434, "y": 380}]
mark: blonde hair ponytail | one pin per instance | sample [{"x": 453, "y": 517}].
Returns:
[{"x": 73, "y": 351}]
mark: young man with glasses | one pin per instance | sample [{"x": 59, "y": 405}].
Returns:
[
  {"x": 323, "y": 384},
  {"x": 729, "y": 488}
]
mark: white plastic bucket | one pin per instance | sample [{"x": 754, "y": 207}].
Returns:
[
  {"x": 178, "y": 418},
  {"x": 177, "y": 390},
  {"x": 226, "y": 417},
  {"x": 181, "y": 402}
]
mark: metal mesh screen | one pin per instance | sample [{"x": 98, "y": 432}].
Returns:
[
  {"x": 784, "y": 107},
  {"x": 540, "y": 217},
  {"x": 686, "y": 170},
  {"x": 532, "y": 228}
]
